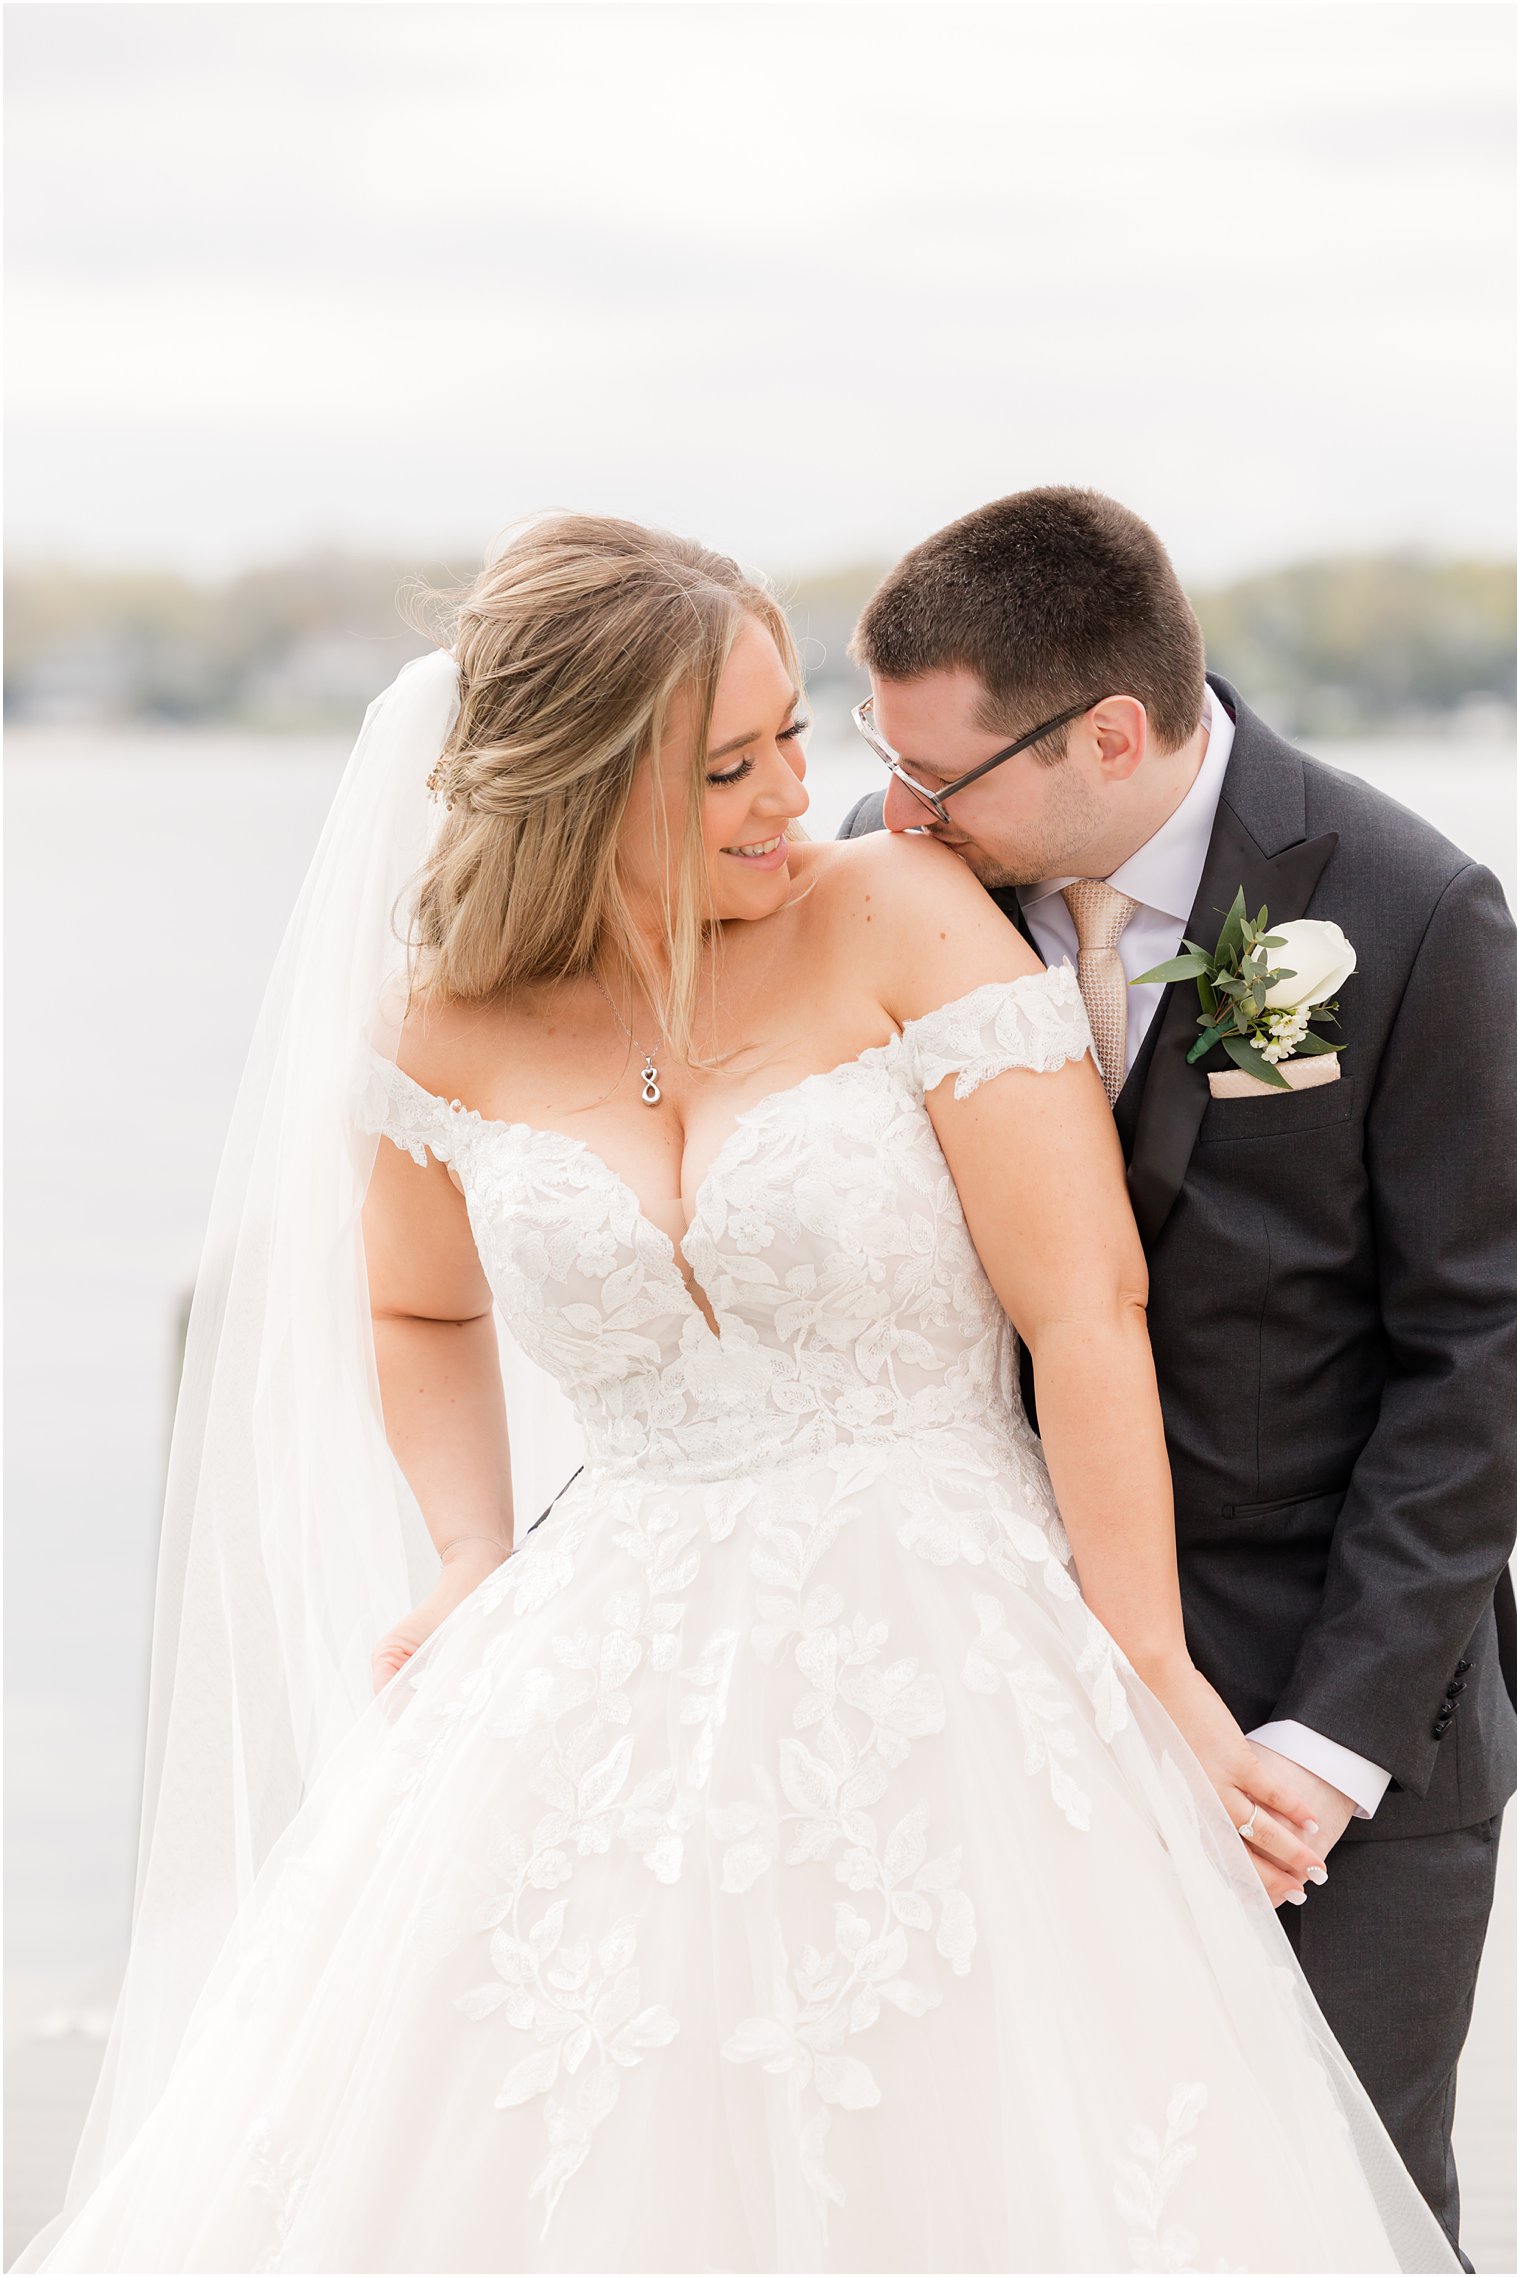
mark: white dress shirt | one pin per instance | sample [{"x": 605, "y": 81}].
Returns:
[{"x": 1163, "y": 877}]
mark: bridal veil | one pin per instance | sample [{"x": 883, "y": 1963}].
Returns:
[{"x": 290, "y": 1539}]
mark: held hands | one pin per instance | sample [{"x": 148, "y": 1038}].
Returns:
[
  {"x": 465, "y": 1565},
  {"x": 1289, "y": 1838},
  {"x": 1332, "y": 1810}
]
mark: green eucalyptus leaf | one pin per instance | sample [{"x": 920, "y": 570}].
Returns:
[
  {"x": 1251, "y": 1060},
  {"x": 1310, "y": 1044},
  {"x": 1230, "y": 938},
  {"x": 1175, "y": 968}
]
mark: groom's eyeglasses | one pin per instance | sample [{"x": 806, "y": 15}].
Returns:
[{"x": 864, "y": 719}]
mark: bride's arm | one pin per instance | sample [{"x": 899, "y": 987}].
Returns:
[
  {"x": 440, "y": 1380},
  {"x": 1040, "y": 1174}
]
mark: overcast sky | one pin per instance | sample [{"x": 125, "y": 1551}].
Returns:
[{"x": 804, "y": 280}]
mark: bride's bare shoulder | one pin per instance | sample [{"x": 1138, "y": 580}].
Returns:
[
  {"x": 445, "y": 1043},
  {"x": 899, "y": 906},
  {"x": 842, "y": 872},
  {"x": 901, "y": 863}
]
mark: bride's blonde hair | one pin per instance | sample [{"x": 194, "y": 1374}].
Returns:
[{"x": 572, "y": 644}]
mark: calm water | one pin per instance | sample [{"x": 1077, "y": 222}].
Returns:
[{"x": 149, "y": 880}]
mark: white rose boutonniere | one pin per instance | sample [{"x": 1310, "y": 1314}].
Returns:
[{"x": 1263, "y": 989}]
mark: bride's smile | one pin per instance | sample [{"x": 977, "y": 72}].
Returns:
[{"x": 750, "y": 788}]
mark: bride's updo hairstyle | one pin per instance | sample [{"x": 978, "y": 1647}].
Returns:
[{"x": 572, "y": 644}]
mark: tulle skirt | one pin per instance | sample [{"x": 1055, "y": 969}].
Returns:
[{"x": 777, "y": 1872}]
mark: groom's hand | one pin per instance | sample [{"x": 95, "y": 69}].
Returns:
[{"x": 1326, "y": 1805}]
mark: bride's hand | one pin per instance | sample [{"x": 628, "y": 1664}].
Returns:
[
  {"x": 1280, "y": 1847},
  {"x": 465, "y": 1566}
]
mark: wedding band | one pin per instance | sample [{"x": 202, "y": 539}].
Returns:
[{"x": 1245, "y": 1832}]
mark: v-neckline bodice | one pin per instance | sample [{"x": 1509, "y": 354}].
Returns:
[
  {"x": 1028, "y": 1020},
  {"x": 672, "y": 1253}
]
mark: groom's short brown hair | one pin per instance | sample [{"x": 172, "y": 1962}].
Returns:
[{"x": 1051, "y": 597}]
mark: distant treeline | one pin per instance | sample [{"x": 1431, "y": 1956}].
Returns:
[{"x": 1347, "y": 645}]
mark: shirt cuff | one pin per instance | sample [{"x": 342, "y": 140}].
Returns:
[{"x": 1365, "y": 1783}]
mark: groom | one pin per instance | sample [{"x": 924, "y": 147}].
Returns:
[{"x": 1330, "y": 1266}]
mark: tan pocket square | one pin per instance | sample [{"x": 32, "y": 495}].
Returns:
[{"x": 1298, "y": 1074}]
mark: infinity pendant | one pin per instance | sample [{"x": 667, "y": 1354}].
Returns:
[{"x": 651, "y": 1091}]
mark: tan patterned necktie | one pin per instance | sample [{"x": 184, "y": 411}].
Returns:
[{"x": 1100, "y": 913}]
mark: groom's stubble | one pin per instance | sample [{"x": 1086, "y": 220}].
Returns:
[{"x": 1050, "y": 838}]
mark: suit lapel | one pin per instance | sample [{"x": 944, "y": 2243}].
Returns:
[
  {"x": 1007, "y": 899},
  {"x": 1127, "y": 1105},
  {"x": 1174, "y": 1095}
]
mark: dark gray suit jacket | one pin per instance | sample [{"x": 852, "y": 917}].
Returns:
[{"x": 1331, "y": 1298}]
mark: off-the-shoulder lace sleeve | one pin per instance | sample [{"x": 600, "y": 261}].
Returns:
[
  {"x": 398, "y": 1108},
  {"x": 1036, "y": 1021}
]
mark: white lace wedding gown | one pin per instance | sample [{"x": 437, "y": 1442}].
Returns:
[{"x": 772, "y": 1865}]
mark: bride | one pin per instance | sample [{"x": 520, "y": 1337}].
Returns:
[{"x": 809, "y": 1847}]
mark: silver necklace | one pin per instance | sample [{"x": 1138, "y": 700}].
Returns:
[{"x": 650, "y": 1092}]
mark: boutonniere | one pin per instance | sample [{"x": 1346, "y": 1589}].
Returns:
[{"x": 1263, "y": 991}]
